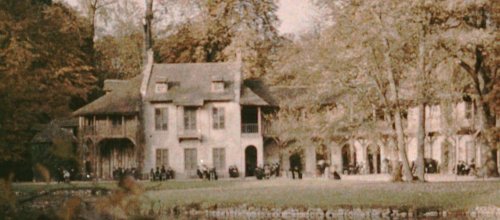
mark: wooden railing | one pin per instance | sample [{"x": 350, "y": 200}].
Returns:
[
  {"x": 122, "y": 130},
  {"x": 89, "y": 130},
  {"x": 247, "y": 128}
]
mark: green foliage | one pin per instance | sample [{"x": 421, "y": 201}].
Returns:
[{"x": 44, "y": 62}]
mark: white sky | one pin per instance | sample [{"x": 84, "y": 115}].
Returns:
[{"x": 296, "y": 15}]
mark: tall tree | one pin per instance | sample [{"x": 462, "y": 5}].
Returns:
[
  {"x": 224, "y": 28},
  {"x": 464, "y": 33},
  {"x": 44, "y": 62}
]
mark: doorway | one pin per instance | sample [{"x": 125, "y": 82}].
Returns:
[
  {"x": 348, "y": 159},
  {"x": 250, "y": 160},
  {"x": 374, "y": 159}
]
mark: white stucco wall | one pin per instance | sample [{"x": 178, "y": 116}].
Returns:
[{"x": 228, "y": 138}]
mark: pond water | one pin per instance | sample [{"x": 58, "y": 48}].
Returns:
[{"x": 85, "y": 209}]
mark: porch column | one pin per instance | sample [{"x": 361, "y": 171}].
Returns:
[
  {"x": 352, "y": 153},
  {"x": 310, "y": 160},
  {"x": 108, "y": 125},
  {"x": 94, "y": 123},
  {"x": 259, "y": 120},
  {"x": 123, "y": 126},
  {"x": 335, "y": 157}
]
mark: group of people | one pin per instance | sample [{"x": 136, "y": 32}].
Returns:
[
  {"x": 267, "y": 171},
  {"x": 233, "y": 171},
  {"x": 205, "y": 173},
  {"x": 430, "y": 166},
  {"x": 296, "y": 172},
  {"x": 65, "y": 175},
  {"x": 352, "y": 169},
  {"x": 119, "y": 172},
  {"x": 464, "y": 169},
  {"x": 162, "y": 174}
]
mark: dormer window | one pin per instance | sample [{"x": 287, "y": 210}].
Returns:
[
  {"x": 217, "y": 83},
  {"x": 161, "y": 87},
  {"x": 217, "y": 86}
]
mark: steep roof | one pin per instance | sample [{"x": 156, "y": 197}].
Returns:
[
  {"x": 113, "y": 84},
  {"x": 190, "y": 83},
  {"x": 255, "y": 92},
  {"x": 125, "y": 98},
  {"x": 248, "y": 97}
]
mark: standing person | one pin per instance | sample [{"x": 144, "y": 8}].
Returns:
[
  {"x": 204, "y": 170},
  {"x": 59, "y": 175},
  {"x": 292, "y": 169},
  {"x": 163, "y": 176},
  {"x": 199, "y": 172},
  {"x": 267, "y": 171},
  {"x": 66, "y": 175},
  {"x": 157, "y": 173},
  {"x": 299, "y": 172},
  {"x": 326, "y": 173},
  {"x": 472, "y": 167},
  {"x": 88, "y": 169},
  {"x": 278, "y": 169},
  {"x": 152, "y": 174}
]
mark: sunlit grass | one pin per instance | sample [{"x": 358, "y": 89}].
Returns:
[
  {"x": 307, "y": 193},
  {"x": 325, "y": 194}
]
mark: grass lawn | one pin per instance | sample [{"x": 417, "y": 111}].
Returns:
[
  {"x": 309, "y": 193},
  {"x": 326, "y": 194}
]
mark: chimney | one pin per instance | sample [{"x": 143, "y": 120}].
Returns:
[{"x": 148, "y": 38}]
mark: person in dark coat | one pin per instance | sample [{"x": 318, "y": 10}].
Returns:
[
  {"x": 152, "y": 174},
  {"x": 157, "y": 173},
  {"x": 59, "y": 175},
  {"x": 299, "y": 173},
  {"x": 171, "y": 173},
  {"x": 336, "y": 175},
  {"x": 199, "y": 173}
]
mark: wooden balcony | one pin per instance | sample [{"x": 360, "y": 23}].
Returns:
[
  {"x": 250, "y": 128},
  {"x": 104, "y": 128}
]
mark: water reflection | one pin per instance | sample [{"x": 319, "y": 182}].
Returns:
[{"x": 462, "y": 217}]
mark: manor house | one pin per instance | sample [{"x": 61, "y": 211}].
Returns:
[
  {"x": 177, "y": 115},
  {"x": 185, "y": 115}
]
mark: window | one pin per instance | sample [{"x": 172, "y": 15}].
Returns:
[
  {"x": 161, "y": 87},
  {"x": 190, "y": 160},
  {"x": 469, "y": 110},
  {"x": 161, "y": 119},
  {"x": 189, "y": 118},
  {"x": 218, "y": 118},
  {"x": 116, "y": 121},
  {"x": 218, "y": 86},
  {"x": 161, "y": 157},
  {"x": 219, "y": 159}
]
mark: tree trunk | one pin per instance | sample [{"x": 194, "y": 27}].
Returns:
[
  {"x": 420, "y": 163},
  {"x": 397, "y": 118},
  {"x": 396, "y": 174},
  {"x": 421, "y": 143},
  {"x": 482, "y": 82}
]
